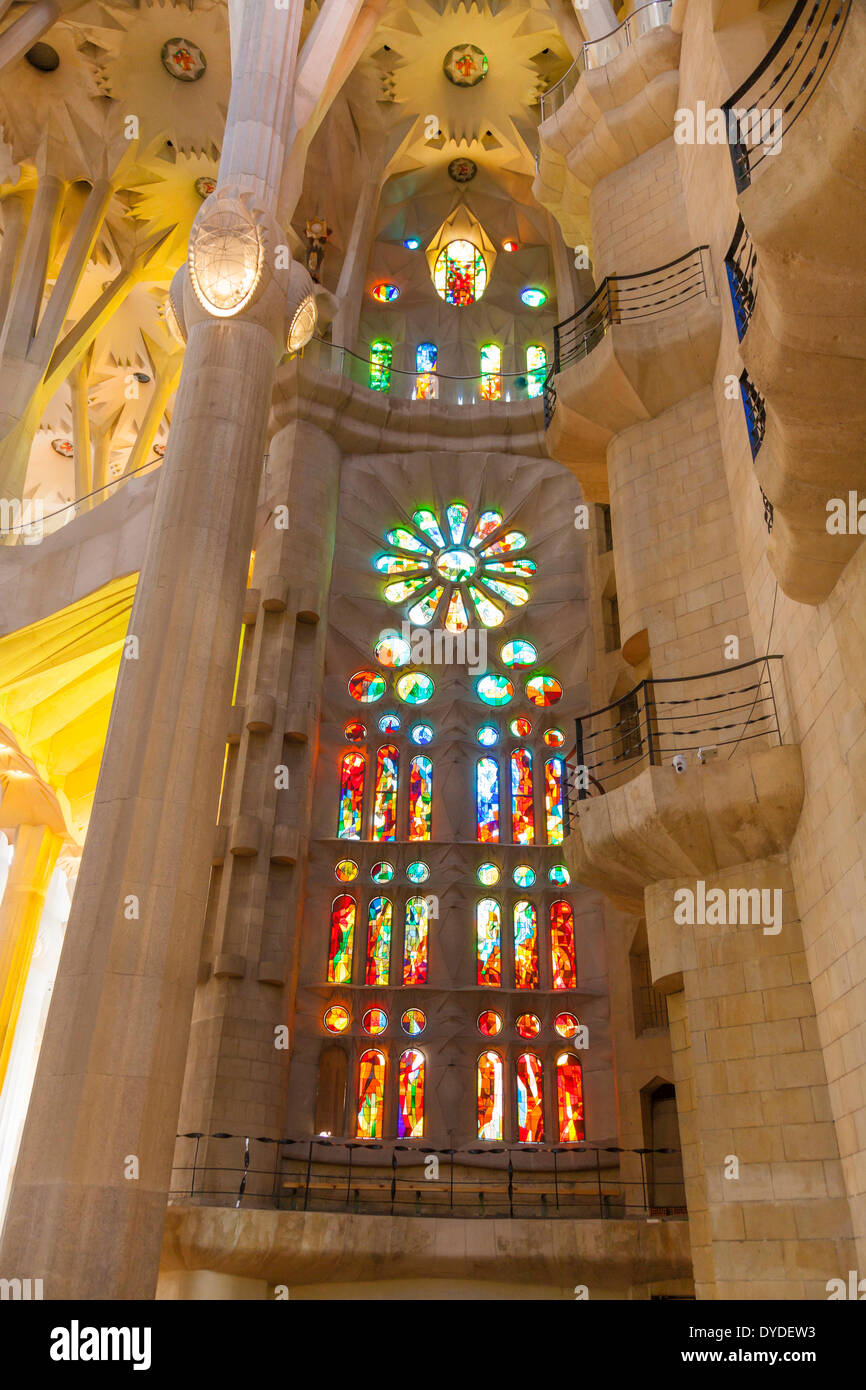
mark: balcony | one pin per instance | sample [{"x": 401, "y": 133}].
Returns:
[{"x": 597, "y": 52}]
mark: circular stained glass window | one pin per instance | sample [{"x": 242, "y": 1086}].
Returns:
[
  {"x": 382, "y": 872},
  {"x": 543, "y": 690},
  {"x": 346, "y": 870},
  {"x": 392, "y": 650},
  {"x": 386, "y": 294},
  {"x": 487, "y": 874},
  {"x": 490, "y": 1023},
  {"x": 520, "y": 728},
  {"x": 415, "y": 688},
  {"x": 554, "y": 738},
  {"x": 529, "y": 1025},
  {"x": 413, "y": 1022},
  {"x": 494, "y": 690},
  {"x": 488, "y": 735},
  {"x": 336, "y": 1019},
  {"x": 456, "y": 566},
  {"x": 558, "y": 874},
  {"x": 367, "y": 686},
  {"x": 374, "y": 1021},
  {"x": 460, "y": 273},
  {"x": 465, "y": 65},
  {"x": 533, "y": 297},
  {"x": 421, "y": 734},
  {"x": 518, "y": 653},
  {"x": 390, "y": 723},
  {"x": 523, "y": 876},
  {"x": 355, "y": 732},
  {"x": 417, "y": 872},
  {"x": 566, "y": 1025}
]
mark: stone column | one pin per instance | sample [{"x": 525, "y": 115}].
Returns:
[
  {"x": 36, "y": 851},
  {"x": 350, "y": 287}
]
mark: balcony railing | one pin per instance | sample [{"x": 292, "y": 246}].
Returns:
[
  {"x": 775, "y": 95},
  {"x": 741, "y": 264},
  {"x": 487, "y": 388},
  {"x": 696, "y": 717},
  {"x": 597, "y": 52},
  {"x": 756, "y": 412}
]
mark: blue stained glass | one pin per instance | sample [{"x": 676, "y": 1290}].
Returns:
[{"x": 487, "y": 800}]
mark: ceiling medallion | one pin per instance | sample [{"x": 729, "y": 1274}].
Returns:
[
  {"x": 465, "y": 65},
  {"x": 183, "y": 59},
  {"x": 205, "y": 186},
  {"x": 63, "y": 447},
  {"x": 462, "y": 170}
]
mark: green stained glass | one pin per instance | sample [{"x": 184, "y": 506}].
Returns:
[
  {"x": 494, "y": 690},
  {"x": 512, "y": 593},
  {"x": 457, "y": 513},
  {"x": 523, "y": 876},
  {"x": 558, "y": 874},
  {"x": 456, "y": 565},
  {"x": 396, "y": 593},
  {"x": 417, "y": 872},
  {"x": 414, "y": 688},
  {"x": 490, "y": 615},
  {"x": 517, "y": 569},
  {"x": 382, "y": 872},
  {"x": 424, "y": 610},
  {"x": 426, "y": 522},
  {"x": 518, "y": 652},
  {"x": 406, "y": 541},
  {"x": 398, "y": 564}
]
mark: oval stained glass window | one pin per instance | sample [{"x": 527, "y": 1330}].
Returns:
[
  {"x": 518, "y": 652},
  {"x": 558, "y": 874},
  {"x": 346, "y": 870},
  {"x": 490, "y": 1023},
  {"x": 488, "y": 735},
  {"x": 382, "y": 872},
  {"x": 336, "y": 1019},
  {"x": 421, "y": 734},
  {"x": 417, "y": 872},
  {"x": 374, "y": 1021},
  {"x": 554, "y": 738},
  {"x": 414, "y": 688},
  {"x": 520, "y": 728},
  {"x": 566, "y": 1025},
  {"x": 494, "y": 690},
  {"x": 367, "y": 686},
  {"x": 391, "y": 650},
  {"x": 456, "y": 566},
  {"x": 386, "y": 294},
  {"x": 413, "y": 1022},
  {"x": 390, "y": 723},
  {"x": 523, "y": 876},
  {"x": 355, "y": 732},
  {"x": 529, "y": 1025},
  {"x": 487, "y": 874},
  {"x": 543, "y": 691}
]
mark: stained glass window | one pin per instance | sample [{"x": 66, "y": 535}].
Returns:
[
  {"x": 569, "y": 1098},
  {"x": 371, "y": 1094},
  {"x": 389, "y": 724},
  {"x": 491, "y": 372},
  {"x": 487, "y": 800},
  {"x": 417, "y": 871},
  {"x": 530, "y": 1111},
  {"x": 566, "y": 1025},
  {"x": 385, "y": 293},
  {"x": 490, "y": 1023},
  {"x": 490, "y": 1096},
  {"x": 460, "y": 273},
  {"x": 342, "y": 936},
  {"x": 542, "y": 690},
  {"x": 559, "y": 875},
  {"x": 529, "y": 1025},
  {"x": 346, "y": 870},
  {"x": 536, "y": 369},
  {"x": 488, "y": 735},
  {"x": 525, "y": 945},
  {"x": 385, "y": 801},
  {"x": 562, "y": 946},
  {"x": 520, "y": 728},
  {"x": 392, "y": 650},
  {"x": 487, "y": 523},
  {"x": 367, "y": 686},
  {"x": 554, "y": 777},
  {"x": 523, "y": 875},
  {"x": 518, "y": 652},
  {"x": 421, "y": 734},
  {"x": 354, "y": 732},
  {"x": 351, "y": 796},
  {"x": 382, "y": 872},
  {"x": 420, "y": 797},
  {"x": 488, "y": 938},
  {"x": 415, "y": 942},
  {"x": 336, "y": 1019},
  {"x": 410, "y": 1113},
  {"x": 522, "y": 812},
  {"x": 494, "y": 690},
  {"x": 374, "y": 1021},
  {"x": 413, "y": 1022},
  {"x": 487, "y": 874},
  {"x": 426, "y": 382},
  {"x": 378, "y": 941},
  {"x": 381, "y": 352},
  {"x": 554, "y": 738},
  {"x": 415, "y": 688}
]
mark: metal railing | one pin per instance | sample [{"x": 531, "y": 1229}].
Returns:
[
  {"x": 775, "y": 95},
  {"x": 629, "y": 299},
  {"x": 549, "y": 397},
  {"x": 498, "y": 388},
  {"x": 741, "y": 265},
  {"x": 692, "y": 716},
  {"x": 595, "y": 53},
  {"x": 755, "y": 411},
  {"x": 390, "y": 1178}
]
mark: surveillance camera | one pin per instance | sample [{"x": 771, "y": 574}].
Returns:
[
  {"x": 679, "y": 763},
  {"x": 705, "y": 754}
]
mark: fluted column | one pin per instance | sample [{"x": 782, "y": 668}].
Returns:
[{"x": 36, "y": 851}]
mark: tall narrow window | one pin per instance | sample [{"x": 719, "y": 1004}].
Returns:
[
  {"x": 371, "y": 1094},
  {"x": 378, "y": 941},
  {"x": 351, "y": 796},
  {"x": 415, "y": 942},
  {"x": 488, "y": 942},
  {"x": 420, "y": 798},
  {"x": 530, "y": 1105},
  {"x": 525, "y": 945},
  {"x": 536, "y": 369},
  {"x": 381, "y": 352},
  {"x": 426, "y": 381},
  {"x": 490, "y": 1096},
  {"x": 342, "y": 937},
  {"x": 562, "y": 946},
  {"x": 491, "y": 372},
  {"x": 487, "y": 800},
  {"x": 569, "y": 1098},
  {"x": 385, "y": 801},
  {"x": 522, "y": 813},
  {"x": 410, "y": 1113},
  {"x": 554, "y": 773}
]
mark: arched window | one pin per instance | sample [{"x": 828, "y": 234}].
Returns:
[
  {"x": 410, "y": 1112},
  {"x": 487, "y": 800},
  {"x": 491, "y": 372},
  {"x": 381, "y": 352},
  {"x": 536, "y": 369},
  {"x": 460, "y": 273},
  {"x": 420, "y": 798},
  {"x": 554, "y": 773},
  {"x": 342, "y": 936},
  {"x": 488, "y": 942},
  {"x": 530, "y": 1104},
  {"x": 490, "y": 1092},
  {"x": 385, "y": 800},
  {"x": 525, "y": 945},
  {"x": 415, "y": 941},
  {"x": 522, "y": 813},
  {"x": 378, "y": 941},
  {"x": 352, "y": 770},
  {"x": 371, "y": 1094},
  {"x": 569, "y": 1098},
  {"x": 426, "y": 382},
  {"x": 562, "y": 946}
]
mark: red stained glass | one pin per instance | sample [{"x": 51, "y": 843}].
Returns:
[
  {"x": 490, "y": 1106},
  {"x": 410, "y": 1115},
  {"x": 367, "y": 686},
  {"x": 554, "y": 770},
  {"x": 569, "y": 1098},
  {"x": 371, "y": 1095},
  {"x": 522, "y": 812},
  {"x": 562, "y": 946},
  {"x": 530, "y": 1111},
  {"x": 488, "y": 942},
  {"x": 529, "y": 1025},
  {"x": 420, "y": 798},
  {"x": 490, "y": 1023},
  {"x": 543, "y": 691},
  {"x": 415, "y": 942},
  {"x": 385, "y": 802},
  {"x": 355, "y": 731},
  {"x": 378, "y": 941},
  {"x": 342, "y": 936},
  {"x": 487, "y": 800},
  {"x": 352, "y": 770},
  {"x": 525, "y": 946}
]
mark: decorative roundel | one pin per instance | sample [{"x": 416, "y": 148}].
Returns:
[
  {"x": 355, "y": 732},
  {"x": 421, "y": 734},
  {"x": 520, "y": 728},
  {"x": 413, "y": 1022},
  {"x": 566, "y": 1025},
  {"x": 465, "y": 65},
  {"x": 518, "y": 652},
  {"x": 529, "y": 1025},
  {"x": 554, "y": 738},
  {"x": 392, "y": 650},
  {"x": 346, "y": 870},
  {"x": 390, "y": 723},
  {"x": 462, "y": 170},
  {"x": 64, "y": 447},
  {"x": 226, "y": 257},
  {"x": 487, "y": 874},
  {"x": 543, "y": 691},
  {"x": 367, "y": 686},
  {"x": 523, "y": 876},
  {"x": 417, "y": 872},
  {"x": 303, "y": 325},
  {"x": 533, "y": 297},
  {"x": 374, "y": 1021},
  {"x": 488, "y": 735},
  {"x": 183, "y": 59},
  {"x": 414, "y": 688},
  {"x": 382, "y": 872},
  {"x": 386, "y": 294},
  {"x": 559, "y": 875},
  {"x": 494, "y": 690},
  {"x": 205, "y": 186},
  {"x": 490, "y": 1023},
  {"x": 336, "y": 1019}
]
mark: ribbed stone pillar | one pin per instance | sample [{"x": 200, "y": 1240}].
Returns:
[{"x": 36, "y": 851}]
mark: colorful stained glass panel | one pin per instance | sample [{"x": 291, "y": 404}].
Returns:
[
  {"x": 410, "y": 1112},
  {"x": 562, "y": 946},
  {"x": 367, "y": 686},
  {"x": 415, "y": 942},
  {"x": 342, "y": 936},
  {"x": 522, "y": 810},
  {"x": 554, "y": 778},
  {"x": 374, "y": 1021},
  {"x": 414, "y": 688},
  {"x": 420, "y": 798},
  {"x": 525, "y": 945},
  {"x": 352, "y": 770},
  {"x": 490, "y": 1096},
  {"x": 378, "y": 941},
  {"x": 487, "y": 800},
  {"x": 336, "y": 1019},
  {"x": 413, "y": 1022},
  {"x": 518, "y": 652},
  {"x": 543, "y": 691},
  {"x": 490, "y": 1023},
  {"x": 494, "y": 690},
  {"x": 385, "y": 799},
  {"x": 488, "y": 942},
  {"x": 569, "y": 1098},
  {"x": 371, "y": 1095},
  {"x": 346, "y": 870},
  {"x": 530, "y": 1110}
]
